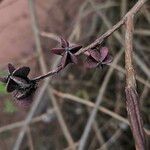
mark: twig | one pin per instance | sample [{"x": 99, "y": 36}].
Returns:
[
  {"x": 97, "y": 103},
  {"x": 21, "y": 123},
  {"x": 144, "y": 94},
  {"x": 29, "y": 117},
  {"x": 50, "y": 35},
  {"x": 115, "y": 136},
  {"x": 61, "y": 120},
  {"x": 70, "y": 148},
  {"x": 50, "y": 73},
  {"x": 132, "y": 98},
  {"x": 146, "y": 13},
  {"x": 123, "y": 7},
  {"x": 103, "y": 37},
  {"x": 118, "y": 36},
  {"x": 140, "y": 79},
  {"x": 90, "y": 104},
  {"x": 99, "y": 135},
  {"x": 144, "y": 32},
  {"x": 145, "y": 69},
  {"x": 44, "y": 70},
  {"x": 30, "y": 139}
]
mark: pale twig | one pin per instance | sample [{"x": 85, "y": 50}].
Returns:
[
  {"x": 61, "y": 120},
  {"x": 123, "y": 7},
  {"x": 50, "y": 35},
  {"x": 44, "y": 70},
  {"x": 140, "y": 63},
  {"x": 21, "y": 123},
  {"x": 144, "y": 32},
  {"x": 114, "y": 138},
  {"x": 99, "y": 135},
  {"x": 144, "y": 93},
  {"x": 76, "y": 29},
  {"x": 91, "y": 104},
  {"x": 140, "y": 79},
  {"x": 145, "y": 12},
  {"x": 123, "y": 10},
  {"x": 70, "y": 147},
  {"x": 97, "y": 103},
  {"x": 31, "y": 147},
  {"x": 29, "y": 117}
]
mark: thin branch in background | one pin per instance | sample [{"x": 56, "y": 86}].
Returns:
[
  {"x": 21, "y": 123},
  {"x": 144, "y": 32},
  {"x": 30, "y": 139},
  {"x": 90, "y": 104},
  {"x": 115, "y": 136},
  {"x": 123, "y": 9},
  {"x": 146, "y": 13},
  {"x": 144, "y": 94},
  {"x": 44, "y": 70},
  {"x": 87, "y": 129},
  {"x": 99, "y": 135},
  {"x": 140, "y": 79},
  {"x": 132, "y": 98},
  {"x": 140, "y": 63},
  {"x": 30, "y": 116}
]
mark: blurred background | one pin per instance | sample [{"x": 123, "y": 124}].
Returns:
[{"x": 65, "y": 103}]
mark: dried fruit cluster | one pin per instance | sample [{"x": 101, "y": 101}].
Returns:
[{"x": 23, "y": 88}]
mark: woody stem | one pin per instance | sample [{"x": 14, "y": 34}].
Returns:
[{"x": 50, "y": 73}]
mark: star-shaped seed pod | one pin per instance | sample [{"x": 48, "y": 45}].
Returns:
[
  {"x": 18, "y": 83},
  {"x": 98, "y": 58},
  {"x": 67, "y": 52}
]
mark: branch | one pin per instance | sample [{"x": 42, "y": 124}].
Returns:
[
  {"x": 87, "y": 129},
  {"x": 50, "y": 73},
  {"x": 103, "y": 37},
  {"x": 96, "y": 43},
  {"x": 132, "y": 98},
  {"x": 44, "y": 70},
  {"x": 87, "y": 102}
]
